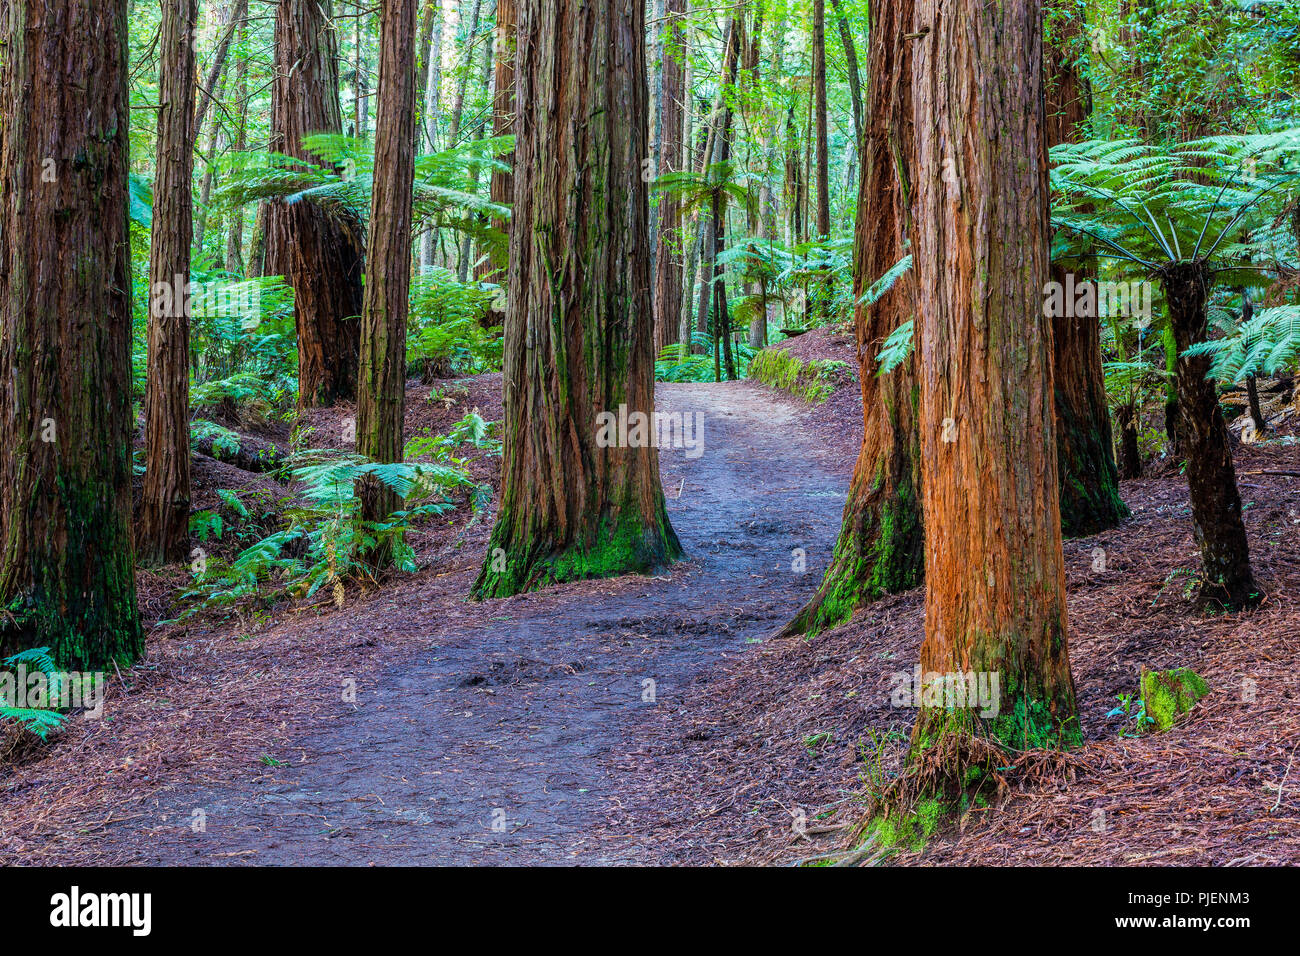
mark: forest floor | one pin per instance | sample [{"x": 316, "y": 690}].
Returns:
[{"x": 528, "y": 730}]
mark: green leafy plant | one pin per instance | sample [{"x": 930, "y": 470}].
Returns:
[{"x": 39, "y": 721}]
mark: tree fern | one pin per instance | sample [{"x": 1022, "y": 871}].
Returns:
[{"x": 1266, "y": 344}]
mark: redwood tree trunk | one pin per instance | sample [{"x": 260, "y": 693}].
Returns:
[
  {"x": 881, "y": 545},
  {"x": 579, "y": 334},
  {"x": 320, "y": 254},
  {"x": 668, "y": 261},
  {"x": 163, "y": 532},
  {"x": 381, "y": 394},
  {"x": 1211, "y": 477},
  {"x": 67, "y": 569},
  {"x": 995, "y": 581},
  {"x": 1090, "y": 500}
]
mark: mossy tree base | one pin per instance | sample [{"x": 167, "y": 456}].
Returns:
[
  {"x": 534, "y": 561},
  {"x": 881, "y": 547}
]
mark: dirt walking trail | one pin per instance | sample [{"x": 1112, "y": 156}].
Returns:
[{"x": 500, "y": 742}]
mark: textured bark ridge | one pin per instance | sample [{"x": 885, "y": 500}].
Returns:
[
  {"x": 1211, "y": 476},
  {"x": 67, "y": 577},
  {"x": 1090, "y": 500},
  {"x": 579, "y": 326},
  {"x": 880, "y": 549},
  {"x": 995, "y": 581},
  {"x": 319, "y": 253},
  {"x": 163, "y": 531}
]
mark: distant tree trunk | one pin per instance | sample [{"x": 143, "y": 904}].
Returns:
[
  {"x": 668, "y": 263},
  {"x": 235, "y": 238},
  {"x": 257, "y": 243},
  {"x": 381, "y": 392},
  {"x": 881, "y": 544},
  {"x": 163, "y": 533},
  {"x": 1090, "y": 500},
  {"x": 360, "y": 86},
  {"x": 1129, "y": 459},
  {"x": 721, "y": 325},
  {"x": 995, "y": 580},
  {"x": 855, "y": 78},
  {"x": 432, "y": 12},
  {"x": 466, "y": 241},
  {"x": 709, "y": 223},
  {"x": 233, "y": 19},
  {"x": 319, "y": 253},
  {"x": 794, "y": 186},
  {"x": 656, "y": 133},
  {"x": 819, "y": 100},
  {"x": 215, "y": 143},
  {"x": 1211, "y": 477},
  {"x": 1252, "y": 387},
  {"x": 67, "y": 565},
  {"x": 503, "y": 111},
  {"x": 458, "y": 104},
  {"x": 760, "y": 218},
  {"x": 576, "y": 502},
  {"x": 432, "y": 105}
]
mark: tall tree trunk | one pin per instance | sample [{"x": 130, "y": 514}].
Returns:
[
  {"x": 668, "y": 263},
  {"x": 381, "y": 392},
  {"x": 721, "y": 316},
  {"x": 432, "y": 107},
  {"x": 360, "y": 84},
  {"x": 215, "y": 145},
  {"x": 880, "y": 549},
  {"x": 319, "y": 253},
  {"x": 1211, "y": 477},
  {"x": 855, "y": 77},
  {"x": 709, "y": 223},
  {"x": 819, "y": 108},
  {"x": 1090, "y": 500},
  {"x": 235, "y": 238},
  {"x": 995, "y": 579},
  {"x": 233, "y": 19},
  {"x": 824, "y": 285},
  {"x": 579, "y": 335},
  {"x": 458, "y": 104},
  {"x": 1129, "y": 459},
  {"x": 466, "y": 241},
  {"x": 67, "y": 569},
  {"x": 503, "y": 111},
  {"x": 794, "y": 187},
  {"x": 163, "y": 532}
]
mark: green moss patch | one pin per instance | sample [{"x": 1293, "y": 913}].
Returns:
[
  {"x": 1167, "y": 696},
  {"x": 814, "y": 381}
]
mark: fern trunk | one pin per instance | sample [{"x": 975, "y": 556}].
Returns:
[{"x": 1211, "y": 477}]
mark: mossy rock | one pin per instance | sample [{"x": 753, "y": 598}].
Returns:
[{"x": 1167, "y": 696}]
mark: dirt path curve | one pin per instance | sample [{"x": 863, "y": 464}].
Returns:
[{"x": 499, "y": 744}]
